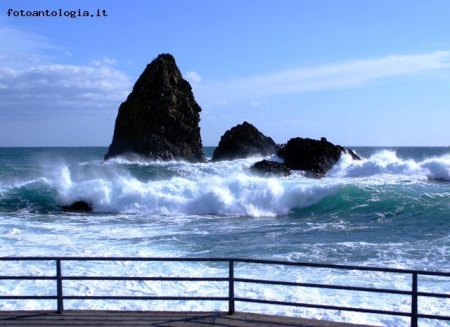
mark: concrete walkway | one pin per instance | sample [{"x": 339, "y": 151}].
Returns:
[{"x": 140, "y": 319}]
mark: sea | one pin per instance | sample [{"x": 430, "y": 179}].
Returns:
[{"x": 389, "y": 210}]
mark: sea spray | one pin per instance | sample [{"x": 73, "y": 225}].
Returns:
[
  {"x": 387, "y": 162},
  {"x": 198, "y": 191}
]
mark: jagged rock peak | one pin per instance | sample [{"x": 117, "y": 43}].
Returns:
[
  {"x": 243, "y": 141},
  {"x": 160, "y": 118}
]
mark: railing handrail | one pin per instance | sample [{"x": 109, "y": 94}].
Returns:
[
  {"x": 59, "y": 277},
  {"x": 226, "y": 259}
]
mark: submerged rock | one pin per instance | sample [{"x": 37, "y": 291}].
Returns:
[
  {"x": 243, "y": 141},
  {"x": 160, "y": 118},
  {"x": 270, "y": 168},
  {"x": 313, "y": 156},
  {"x": 81, "y": 206}
]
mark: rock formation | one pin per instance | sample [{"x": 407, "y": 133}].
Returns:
[
  {"x": 313, "y": 156},
  {"x": 243, "y": 141},
  {"x": 159, "y": 119},
  {"x": 80, "y": 206},
  {"x": 268, "y": 168}
]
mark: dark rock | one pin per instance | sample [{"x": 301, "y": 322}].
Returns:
[
  {"x": 81, "y": 206},
  {"x": 243, "y": 141},
  {"x": 270, "y": 168},
  {"x": 314, "y": 157},
  {"x": 160, "y": 118}
]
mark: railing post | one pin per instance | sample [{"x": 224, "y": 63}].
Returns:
[
  {"x": 231, "y": 287},
  {"x": 59, "y": 290},
  {"x": 414, "y": 300}
]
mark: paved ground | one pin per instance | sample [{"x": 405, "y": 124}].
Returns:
[{"x": 163, "y": 319}]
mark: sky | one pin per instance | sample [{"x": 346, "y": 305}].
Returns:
[{"x": 360, "y": 73}]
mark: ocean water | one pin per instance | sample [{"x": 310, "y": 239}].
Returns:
[{"x": 392, "y": 209}]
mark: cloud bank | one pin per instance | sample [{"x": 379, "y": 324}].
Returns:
[
  {"x": 59, "y": 89},
  {"x": 346, "y": 75},
  {"x": 33, "y": 86},
  {"x": 21, "y": 48}
]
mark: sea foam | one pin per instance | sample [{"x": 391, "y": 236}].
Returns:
[
  {"x": 224, "y": 188},
  {"x": 387, "y": 162}
]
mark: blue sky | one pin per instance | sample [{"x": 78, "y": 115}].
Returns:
[{"x": 373, "y": 73}]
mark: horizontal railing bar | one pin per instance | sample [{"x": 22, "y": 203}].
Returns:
[
  {"x": 425, "y": 316},
  {"x": 156, "y": 259},
  {"x": 223, "y": 279},
  {"x": 344, "y": 267},
  {"x": 440, "y": 295},
  {"x": 335, "y": 287},
  {"x": 118, "y": 278},
  {"x": 325, "y": 307},
  {"x": 28, "y": 277},
  {"x": 242, "y": 260},
  {"x": 146, "y": 298},
  {"x": 28, "y": 297},
  {"x": 29, "y": 258}
]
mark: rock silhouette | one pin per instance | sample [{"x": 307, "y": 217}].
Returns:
[
  {"x": 160, "y": 118},
  {"x": 80, "y": 206},
  {"x": 243, "y": 141},
  {"x": 268, "y": 168},
  {"x": 313, "y": 156}
]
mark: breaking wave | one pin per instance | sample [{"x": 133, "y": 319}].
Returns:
[{"x": 224, "y": 188}]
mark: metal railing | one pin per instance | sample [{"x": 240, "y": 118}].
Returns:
[{"x": 231, "y": 279}]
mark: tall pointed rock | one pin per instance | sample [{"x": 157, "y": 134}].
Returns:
[{"x": 160, "y": 118}]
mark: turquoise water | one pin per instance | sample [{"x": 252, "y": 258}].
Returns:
[{"x": 392, "y": 209}]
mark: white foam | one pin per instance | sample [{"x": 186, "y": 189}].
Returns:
[
  {"x": 224, "y": 188},
  {"x": 387, "y": 163}
]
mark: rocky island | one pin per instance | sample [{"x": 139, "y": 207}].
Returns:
[
  {"x": 243, "y": 141},
  {"x": 315, "y": 157},
  {"x": 160, "y": 118},
  {"x": 160, "y": 121}
]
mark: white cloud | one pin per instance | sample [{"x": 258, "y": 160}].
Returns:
[
  {"x": 193, "y": 77},
  {"x": 20, "y": 48},
  {"x": 296, "y": 122},
  {"x": 32, "y": 85},
  {"x": 56, "y": 89},
  {"x": 104, "y": 62},
  {"x": 345, "y": 75},
  {"x": 45, "y": 101}
]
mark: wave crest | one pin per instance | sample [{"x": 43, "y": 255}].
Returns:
[{"x": 387, "y": 162}]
